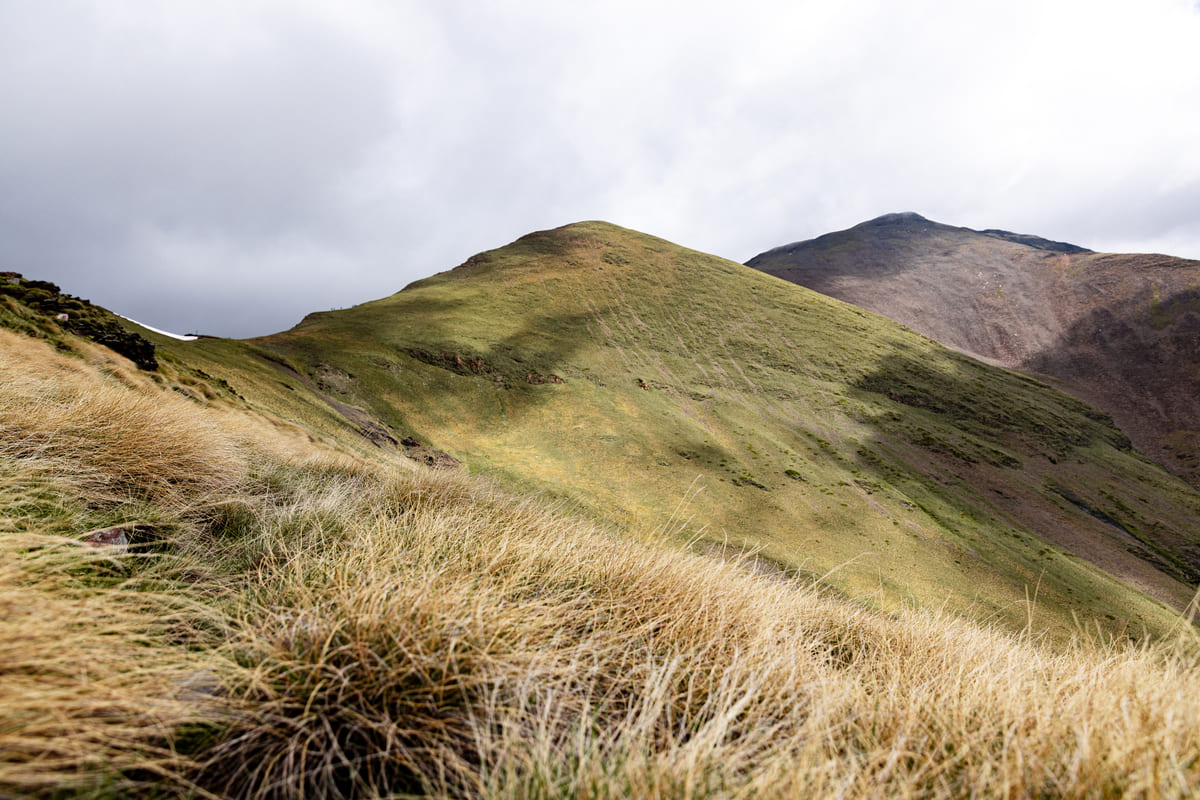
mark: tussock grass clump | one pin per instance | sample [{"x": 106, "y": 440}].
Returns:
[
  {"x": 325, "y": 626},
  {"x": 93, "y": 697},
  {"x": 83, "y": 444},
  {"x": 112, "y": 442},
  {"x": 496, "y": 649}
]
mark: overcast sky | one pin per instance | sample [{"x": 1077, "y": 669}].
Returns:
[{"x": 227, "y": 167}]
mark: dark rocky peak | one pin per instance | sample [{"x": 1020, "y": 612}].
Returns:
[
  {"x": 1036, "y": 242},
  {"x": 900, "y": 218}
]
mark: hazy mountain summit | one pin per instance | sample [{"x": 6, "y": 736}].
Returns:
[
  {"x": 1120, "y": 331},
  {"x": 892, "y": 229}
]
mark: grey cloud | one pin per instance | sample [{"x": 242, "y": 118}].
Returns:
[
  {"x": 128, "y": 136},
  {"x": 230, "y": 166}
]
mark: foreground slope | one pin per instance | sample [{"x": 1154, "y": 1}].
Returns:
[
  {"x": 291, "y": 619},
  {"x": 1120, "y": 331},
  {"x": 658, "y": 387}
]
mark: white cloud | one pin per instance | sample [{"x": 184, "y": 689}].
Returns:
[{"x": 270, "y": 145}]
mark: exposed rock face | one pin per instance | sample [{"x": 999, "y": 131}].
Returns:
[
  {"x": 78, "y": 316},
  {"x": 1119, "y": 331},
  {"x": 113, "y": 541},
  {"x": 428, "y": 456},
  {"x": 109, "y": 333},
  {"x": 538, "y": 379},
  {"x": 453, "y": 362}
]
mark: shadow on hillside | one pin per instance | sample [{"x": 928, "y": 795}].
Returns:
[
  {"x": 380, "y": 372},
  {"x": 489, "y": 384},
  {"x": 935, "y": 421},
  {"x": 534, "y": 356},
  {"x": 1140, "y": 362},
  {"x": 994, "y": 406},
  {"x": 963, "y": 434}
]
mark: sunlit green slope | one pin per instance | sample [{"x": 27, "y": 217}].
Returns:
[{"x": 658, "y": 386}]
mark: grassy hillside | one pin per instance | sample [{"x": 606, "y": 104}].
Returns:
[
  {"x": 661, "y": 388},
  {"x": 293, "y": 618}
]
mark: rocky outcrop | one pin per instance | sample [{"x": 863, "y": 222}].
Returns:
[
  {"x": 111, "y": 541},
  {"x": 50, "y": 307},
  {"x": 538, "y": 379},
  {"x": 428, "y": 456},
  {"x": 453, "y": 362},
  {"x": 112, "y": 335}
]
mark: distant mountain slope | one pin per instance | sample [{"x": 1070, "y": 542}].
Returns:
[
  {"x": 1120, "y": 331},
  {"x": 657, "y": 386}
]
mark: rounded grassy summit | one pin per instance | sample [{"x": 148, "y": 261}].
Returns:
[{"x": 657, "y": 387}]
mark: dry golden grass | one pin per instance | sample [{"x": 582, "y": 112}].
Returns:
[
  {"x": 116, "y": 436},
  {"x": 91, "y": 693},
  {"x": 111, "y": 441},
  {"x": 316, "y": 625},
  {"x": 496, "y": 650}
]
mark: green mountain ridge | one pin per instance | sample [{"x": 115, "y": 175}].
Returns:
[
  {"x": 653, "y": 387},
  {"x": 659, "y": 387}
]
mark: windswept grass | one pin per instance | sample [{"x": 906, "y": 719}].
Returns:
[
  {"x": 111, "y": 442},
  {"x": 92, "y": 691},
  {"x": 497, "y": 650},
  {"x": 311, "y": 624}
]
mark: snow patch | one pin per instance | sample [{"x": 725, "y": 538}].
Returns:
[{"x": 178, "y": 336}]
